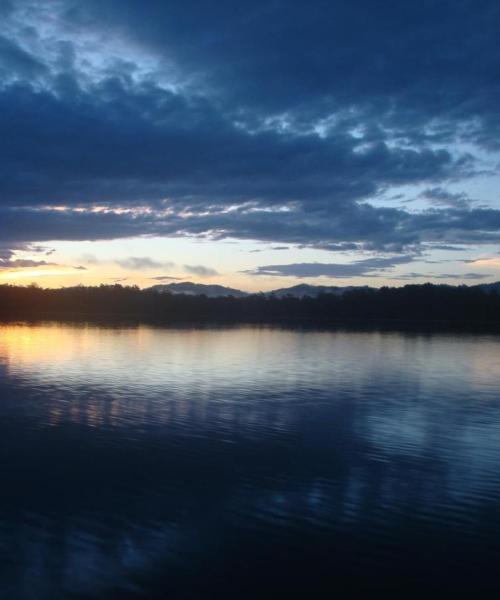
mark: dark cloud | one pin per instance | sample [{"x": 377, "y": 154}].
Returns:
[
  {"x": 117, "y": 144},
  {"x": 8, "y": 248},
  {"x": 398, "y": 60},
  {"x": 6, "y": 253},
  {"x": 353, "y": 226},
  {"x": 6, "y": 7},
  {"x": 441, "y": 197},
  {"x": 448, "y": 247},
  {"x": 275, "y": 121},
  {"x": 20, "y": 263},
  {"x": 14, "y": 61},
  {"x": 8, "y": 259},
  {"x": 369, "y": 267}
]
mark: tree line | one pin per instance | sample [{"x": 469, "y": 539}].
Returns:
[{"x": 425, "y": 302}]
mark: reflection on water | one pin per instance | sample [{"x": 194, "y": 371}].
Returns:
[{"x": 223, "y": 462}]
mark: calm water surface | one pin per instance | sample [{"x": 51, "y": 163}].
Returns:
[{"x": 213, "y": 463}]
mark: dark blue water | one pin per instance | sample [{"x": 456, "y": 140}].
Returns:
[{"x": 149, "y": 462}]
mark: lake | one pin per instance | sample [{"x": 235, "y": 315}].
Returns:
[{"x": 238, "y": 462}]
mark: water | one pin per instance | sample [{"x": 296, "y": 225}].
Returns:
[{"x": 246, "y": 462}]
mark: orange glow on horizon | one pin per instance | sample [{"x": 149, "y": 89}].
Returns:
[{"x": 24, "y": 273}]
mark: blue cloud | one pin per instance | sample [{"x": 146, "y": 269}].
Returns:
[
  {"x": 269, "y": 120},
  {"x": 369, "y": 267}
]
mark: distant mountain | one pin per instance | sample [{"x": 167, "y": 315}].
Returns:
[
  {"x": 198, "y": 289},
  {"x": 216, "y": 291},
  {"x": 302, "y": 290},
  {"x": 489, "y": 287}
]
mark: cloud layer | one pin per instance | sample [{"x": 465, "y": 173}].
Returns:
[
  {"x": 369, "y": 267},
  {"x": 282, "y": 122}
]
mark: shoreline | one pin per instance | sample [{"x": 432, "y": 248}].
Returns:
[{"x": 351, "y": 324}]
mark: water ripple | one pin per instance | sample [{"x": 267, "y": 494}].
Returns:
[{"x": 145, "y": 462}]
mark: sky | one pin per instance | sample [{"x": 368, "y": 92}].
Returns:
[{"x": 251, "y": 144}]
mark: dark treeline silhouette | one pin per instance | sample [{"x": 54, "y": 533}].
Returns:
[{"x": 412, "y": 303}]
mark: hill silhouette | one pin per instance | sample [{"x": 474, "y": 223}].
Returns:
[
  {"x": 416, "y": 303},
  {"x": 214, "y": 291},
  {"x": 198, "y": 289}
]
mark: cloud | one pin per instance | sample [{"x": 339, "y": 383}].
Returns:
[
  {"x": 441, "y": 197},
  {"x": 99, "y": 146},
  {"x": 484, "y": 262},
  {"x": 122, "y": 120},
  {"x": 19, "y": 263},
  {"x": 397, "y": 61},
  {"x": 6, "y": 7},
  {"x": 369, "y": 267},
  {"x": 138, "y": 263},
  {"x": 354, "y": 226},
  {"x": 9, "y": 249},
  {"x": 8, "y": 261},
  {"x": 15, "y": 60},
  {"x": 447, "y": 247},
  {"x": 166, "y": 278},
  {"x": 90, "y": 259},
  {"x": 200, "y": 270},
  {"x": 246, "y": 33},
  {"x": 6, "y": 253}
]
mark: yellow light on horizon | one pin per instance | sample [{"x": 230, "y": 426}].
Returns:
[{"x": 33, "y": 273}]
